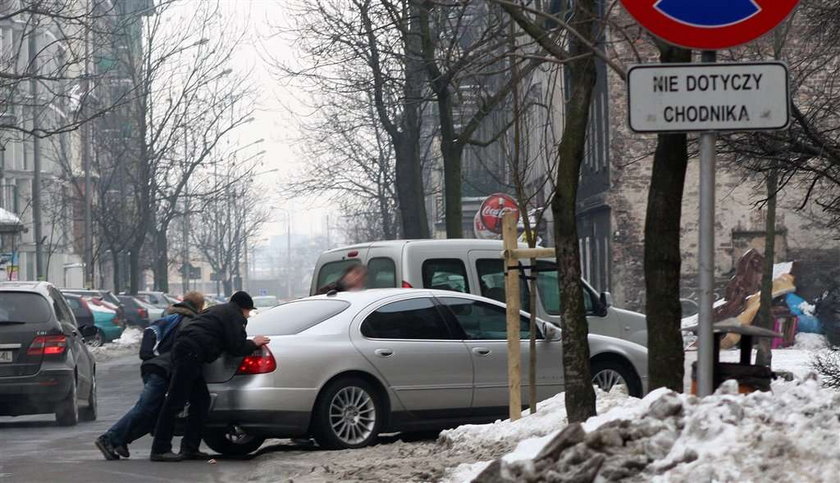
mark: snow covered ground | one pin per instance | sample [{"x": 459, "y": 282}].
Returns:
[
  {"x": 129, "y": 342},
  {"x": 790, "y": 434}
]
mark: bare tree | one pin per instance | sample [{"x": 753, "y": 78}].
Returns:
[{"x": 368, "y": 49}]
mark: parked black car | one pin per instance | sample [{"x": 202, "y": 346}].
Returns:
[
  {"x": 136, "y": 311},
  {"x": 105, "y": 295},
  {"x": 45, "y": 366}
]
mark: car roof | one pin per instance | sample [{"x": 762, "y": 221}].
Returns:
[
  {"x": 375, "y": 294},
  {"x": 37, "y": 287},
  {"x": 473, "y": 243}
]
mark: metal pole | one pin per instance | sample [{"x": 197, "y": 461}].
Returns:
[
  {"x": 36, "y": 158},
  {"x": 288, "y": 254},
  {"x": 706, "y": 256}
]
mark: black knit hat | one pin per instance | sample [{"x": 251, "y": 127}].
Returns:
[{"x": 243, "y": 300}]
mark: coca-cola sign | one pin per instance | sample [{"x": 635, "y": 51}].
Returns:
[{"x": 493, "y": 208}]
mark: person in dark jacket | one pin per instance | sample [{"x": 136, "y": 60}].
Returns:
[
  {"x": 155, "y": 369},
  {"x": 219, "y": 329},
  {"x": 354, "y": 278}
]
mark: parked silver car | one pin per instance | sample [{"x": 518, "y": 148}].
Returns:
[{"x": 343, "y": 368}]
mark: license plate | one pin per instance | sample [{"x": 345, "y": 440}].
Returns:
[{"x": 6, "y": 356}]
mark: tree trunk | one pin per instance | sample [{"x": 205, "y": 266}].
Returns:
[
  {"x": 161, "y": 261},
  {"x": 115, "y": 257},
  {"x": 765, "y": 318},
  {"x": 662, "y": 252},
  {"x": 227, "y": 284},
  {"x": 580, "y": 396},
  {"x": 452, "y": 190},
  {"x": 134, "y": 270},
  {"x": 409, "y": 169}
]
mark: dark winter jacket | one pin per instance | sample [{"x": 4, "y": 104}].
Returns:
[
  {"x": 219, "y": 329},
  {"x": 159, "y": 337}
]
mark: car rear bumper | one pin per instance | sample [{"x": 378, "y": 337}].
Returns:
[
  {"x": 275, "y": 412},
  {"x": 34, "y": 394}
]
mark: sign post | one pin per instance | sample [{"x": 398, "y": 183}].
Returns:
[{"x": 735, "y": 97}]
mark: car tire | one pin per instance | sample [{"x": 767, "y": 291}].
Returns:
[
  {"x": 348, "y": 414},
  {"x": 231, "y": 442},
  {"x": 97, "y": 340},
  {"x": 90, "y": 412},
  {"x": 608, "y": 373},
  {"x": 67, "y": 411}
]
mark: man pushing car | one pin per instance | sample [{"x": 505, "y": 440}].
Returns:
[{"x": 219, "y": 329}]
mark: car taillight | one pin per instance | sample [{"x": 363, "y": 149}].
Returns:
[
  {"x": 48, "y": 345},
  {"x": 261, "y": 361},
  {"x": 406, "y": 285}
]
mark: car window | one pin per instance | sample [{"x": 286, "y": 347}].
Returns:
[
  {"x": 483, "y": 321},
  {"x": 445, "y": 274},
  {"x": 549, "y": 290},
  {"x": 491, "y": 281},
  {"x": 407, "y": 319},
  {"x": 382, "y": 273},
  {"x": 332, "y": 271},
  {"x": 23, "y": 307},
  {"x": 62, "y": 311},
  {"x": 294, "y": 317}
]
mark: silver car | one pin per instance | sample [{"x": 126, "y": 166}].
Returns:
[{"x": 343, "y": 368}]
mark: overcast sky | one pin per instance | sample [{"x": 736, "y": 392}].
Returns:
[{"x": 273, "y": 120}]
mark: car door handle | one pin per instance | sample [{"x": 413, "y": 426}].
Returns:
[
  {"x": 384, "y": 352},
  {"x": 481, "y": 351}
]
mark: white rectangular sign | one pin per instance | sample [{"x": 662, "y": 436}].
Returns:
[{"x": 708, "y": 97}]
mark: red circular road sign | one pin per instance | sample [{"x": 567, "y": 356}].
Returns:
[
  {"x": 709, "y": 24},
  {"x": 493, "y": 208}
]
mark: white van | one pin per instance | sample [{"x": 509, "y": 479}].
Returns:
[{"x": 471, "y": 266}]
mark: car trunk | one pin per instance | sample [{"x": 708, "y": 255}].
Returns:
[
  {"x": 222, "y": 369},
  {"x": 15, "y": 339}
]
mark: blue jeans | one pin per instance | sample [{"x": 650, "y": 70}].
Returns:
[{"x": 140, "y": 419}]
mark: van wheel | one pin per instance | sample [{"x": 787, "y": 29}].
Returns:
[
  {"x": 609, "y": 374},
  {"x": 348, "y": 414},
  {"x": 67, "y": 411},
  {"x": 89, "y": 413},
  {"x": 232, "y": 441}
]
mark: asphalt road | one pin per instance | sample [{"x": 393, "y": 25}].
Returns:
[{"x": 35, "y": 449}]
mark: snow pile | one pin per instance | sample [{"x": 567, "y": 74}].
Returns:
[
  {"x": 127, "y": 343},
  {"x": 789, "y": 434},
  {"x": 501, "y": 436},
  {"x": 807, "y": 342}
]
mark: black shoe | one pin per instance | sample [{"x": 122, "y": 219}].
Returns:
[
  {"x": 107, "y": 449},
  {"x": 122, "y": 450},
  {"x": 168, "y": 457},
  {"x": 194, "y": 455}
]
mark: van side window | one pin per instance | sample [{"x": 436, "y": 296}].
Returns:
[
  {"x": 445, "y": 274},
  {"x": 332, "y": 271},
  {"x": 382, "y": 273},
  {"x": 491, "y": 279}
]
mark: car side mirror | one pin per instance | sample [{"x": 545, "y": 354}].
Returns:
[
  {"x": 606, "y": 299},
  {"x": 87, "y": 330},
  {"x": 552, "y": 332}
]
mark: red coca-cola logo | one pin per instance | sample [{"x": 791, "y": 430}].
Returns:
[{"x": 493, "y": 208}]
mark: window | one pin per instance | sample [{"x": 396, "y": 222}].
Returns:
[
  {"x": 407, "y": 319},
  {"x": 483, "y": 321},
  {"x": 445, "y": 274},
  {"x": 295, "y": 317},
  {"x": 332, "y": 271},
  {"x": 24, "y": 307},
  {"x": 491, "y": 281},
  {"x": 549, "y": 291},
  {"x": 382, "y": 273}
]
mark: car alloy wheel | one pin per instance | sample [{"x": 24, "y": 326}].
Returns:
[
  {"x": 607, "y": 379},
  {"x": 97, "y": 340},
  {"x": 352, "y": 415}
]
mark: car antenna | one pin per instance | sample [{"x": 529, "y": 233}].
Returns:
[{"x": 332, "y": 293}]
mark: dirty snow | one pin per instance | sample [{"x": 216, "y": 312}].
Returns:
[
  {"x": 127, "y": 343},
  {"x": 495, "y": 438},
  {"x": 788, "y": 435}
]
